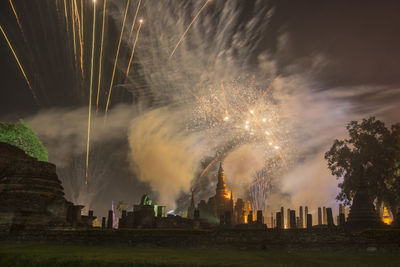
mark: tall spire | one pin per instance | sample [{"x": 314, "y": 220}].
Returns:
[
  {"x": 221, "y": 178},
  {"x": 221, "y": 186}
]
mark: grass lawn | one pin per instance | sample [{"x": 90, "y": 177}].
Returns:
[{"x": 37, "y": 254}]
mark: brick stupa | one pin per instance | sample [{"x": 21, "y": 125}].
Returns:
[
  {"x": 31, "y": 194},
  {"x": 363, "y": 214}
]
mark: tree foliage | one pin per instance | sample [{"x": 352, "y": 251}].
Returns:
[
  {"x": 22, "y": 136},
  {"x": 371, "y": 143}
]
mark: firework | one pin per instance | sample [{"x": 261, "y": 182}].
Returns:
[
  {"x": 133, "y": 48},
  {"x": 18, "y": 21},
  {"x": 116, "y": 56},
  {"x": 20, "y": 66},
  {"x": 91, "y": 90},
  {"x": 66, "y": 15},
  {"x": 73, "y": 30},
  {"x": 134, "y": 20},
  {"x": 101, "y": 55},
  {"x": 82, "y": 18},
  {"x": 209, "y": 165},
  {"x": 80, "y": 34},
  {"x": 188, "y": 28}
]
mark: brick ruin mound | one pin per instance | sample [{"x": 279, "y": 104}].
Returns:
[{"x": 31, "y": 195}]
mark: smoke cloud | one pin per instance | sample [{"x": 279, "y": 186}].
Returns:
[
  {"x": 241, "y": 166},
  {"x": 163, "y": 154}
]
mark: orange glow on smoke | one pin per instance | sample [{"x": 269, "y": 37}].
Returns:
[{"x": 386, "y": 216}]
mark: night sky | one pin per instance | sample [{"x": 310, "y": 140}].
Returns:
[{"x": 347, "y": 50}]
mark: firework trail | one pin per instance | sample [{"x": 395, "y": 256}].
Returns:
[
  {"x": 20, "y": 66},
  {"x": 66, "y": 15},
  {"x": 91, "y": 91},
  {"x": 188, "y": 28},
  {"x": 209, "y": 165},
  {"x": 116, "y": 56},
  {"x": 134, "y": 20},
  {"x": 133, "y": 48},
  {"x": 73, "y": 30},
  {"x": 82, "y": 17},
  {"x": 80, "y": 34},
  {"x": 18, "y": 21},
  {"x": 101, "y": 55}
]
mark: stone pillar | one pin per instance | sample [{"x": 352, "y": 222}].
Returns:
[
  {"x": 122, "y": 221},
  {"x": 292, "y": 219},
  {"x": 324, "y": 215},
  {"x": 196, "y": 214},
  {"x": 342, "y": 220},
  {"x": 272, "y": 220},
  {"x": 250, "y": 217},
  {"x": 260, "y": 219},
  {"x": 221, "y": 219},
  {"x": 300, "y": 225},
  {"x": 309, "y": 221},
  {"x": 110, "y": 219},
  {"x": 319, "y": 216},
  {"x": 103, "y": 222},
  {"x": 305, "y": 215},
  {"x": 329, "y": 217},
  {"x": 228, "y": 218},
  {"x": 288, "y": 218},
  {"x": 282, "y": 218},
  {"x": 278, "y": 220}
]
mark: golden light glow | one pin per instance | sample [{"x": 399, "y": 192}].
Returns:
[{"x": 386, "y": 216}]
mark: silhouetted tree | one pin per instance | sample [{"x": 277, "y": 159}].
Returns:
[
  {"x": 22, "y": 136},
  {"x": 370, "y": 143}
]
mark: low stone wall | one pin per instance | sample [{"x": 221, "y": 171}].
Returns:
[{"x": 219, "y": 238}]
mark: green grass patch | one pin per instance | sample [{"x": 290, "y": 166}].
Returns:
[{"x": 45, "y": 254}]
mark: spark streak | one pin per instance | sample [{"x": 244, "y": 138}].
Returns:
[
  {"x": 82, "y": 17},
  {"x": 101, "y": 55},
  {"x": 91, "y": 91},
  {"x": 73, "y": 30},
  {"x": 80, "y": 34},
  {"x": 66, "y": 15},
  {"x": 188, "y": 28},
  {"x": 209, "y": 165},
  {"x": 133, "y": 48},
  {"x": 116, "y": 56},
  {"x": 20, "y": 66},
  {"x": 19, "y": 23},
  {"x": 134, "y": 20}
]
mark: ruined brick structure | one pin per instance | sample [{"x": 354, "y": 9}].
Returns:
[{"x": 31, "y": 195}]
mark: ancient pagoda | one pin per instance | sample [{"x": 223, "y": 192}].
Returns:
[{"x": 363, "y": 214}]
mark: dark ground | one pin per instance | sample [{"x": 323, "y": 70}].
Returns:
[{"x": 46, "y": 254}]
